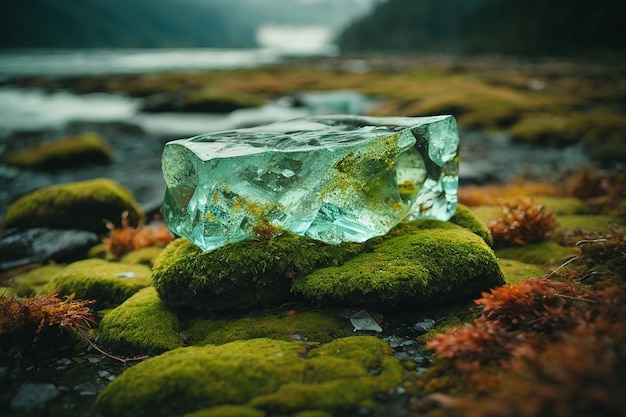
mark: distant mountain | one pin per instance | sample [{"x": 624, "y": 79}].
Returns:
[
  {"x": 121, "y": 23},
  {"x": 528, "y": 27}
]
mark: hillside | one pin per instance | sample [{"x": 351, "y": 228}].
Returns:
[
  {"x": 120, "y": 23},
  {"x": 531, "y": 27}
]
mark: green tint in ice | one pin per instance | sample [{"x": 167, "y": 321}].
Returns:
[{"x": 331, "y": 178}]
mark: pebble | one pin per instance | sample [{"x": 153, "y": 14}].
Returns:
[{"x": 31, "y": 396}]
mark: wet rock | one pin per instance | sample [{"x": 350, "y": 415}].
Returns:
[
  {"x": 32, "y": 396},
  {"x": 76, "y": 205},
  {"x": 423, "y": 325},
  {"x": 41, "y": 245}
]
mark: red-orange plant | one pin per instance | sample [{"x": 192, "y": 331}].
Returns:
[
  {"x": 23, "y": 320},
  {"x": 127, "y": 238},
  {"x": 543, "y": 347},
  {"x": 36, "y": 312},
  {"x": 521, "y": 222}
]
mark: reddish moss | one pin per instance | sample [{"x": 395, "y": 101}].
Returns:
[{"x": 521, "y": 222}]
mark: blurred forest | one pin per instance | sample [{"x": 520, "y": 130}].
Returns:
[
  {"x": 160, "y": 23},
  {"x": 529, "y": 27},
  {"x": 115, "y": 23}
]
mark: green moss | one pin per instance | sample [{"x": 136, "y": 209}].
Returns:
[
  {"x": 339, "y": 378},
  {"x": 140, "y": 325},
  {"x": 220, "y": 101},
  {"x": 276, "y": 377},
  {"x": 310, "y": 326},
  {"x": 242, "y": 275},
  {"x": 464, "y": 217},
  {"x": 563, "y": 205},
  {"x": 545, "y": 129},
  {"x": 312, "y": 413},
  {"x": 487, "y": 213},
  {"x": 7, "y": 292},
  {"x": 228, "y": 411},
  {"x": 601, "y": 132},
  {"x": 437, "y": 263},
  {"x": 77, "y": 205},
  {"x": 109, "y": 283},
  {"x": 87, "y": 148},
  {"x": 596, "y": 223},
  {"x": 542, "y": 253},
  {"x": 143, "y": 256},
  {"x": 31, "y": 282},
  {"x": 97, "y": 251},
  {"x": 516, "y": 271}
]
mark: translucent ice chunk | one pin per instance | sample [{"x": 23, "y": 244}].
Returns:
[{"x": 331, "y": 178}]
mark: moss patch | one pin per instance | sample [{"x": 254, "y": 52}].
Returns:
[
  {"x": 140, "y": 325},
  {"x": 109, "y": 283},
  {"x": 32, "y": 282},
  {"x": 241, "y": 276},
  {"x": 563, "y": 205},
  {"x": 436, "y": 263},
  {"x": 309, "y": 326},
  {"x": 276, "y": 377},
  {"x": 143, "y": 256},
  {"x": 228, "y": 411},
  {"x": 516, "y": 271},
  {"x": 487, "y": 213},
  {"x": 464, "y": 217},
  {"x": 596, "y": 223},
  {"x": 85, "y": 149},
  {"x": 542, "y": 253},
  {"x": 76, "y": 205}
]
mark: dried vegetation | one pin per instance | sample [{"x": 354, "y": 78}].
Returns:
[{"x": 521, "y": 222}]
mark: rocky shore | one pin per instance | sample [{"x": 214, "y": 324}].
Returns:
[{"x": 119, "y": 317}]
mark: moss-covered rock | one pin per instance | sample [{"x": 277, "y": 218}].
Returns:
[
  {"x": 140, "y": 325},
  {"x": 227, "y": 411},
  {"x": 32, "y": 282},
  {"x": 464, "y": 217},
  {"x": 241, "y": 276},
  {"x": 204, "y": 100},
  {"x": 85, "y": 149},
  {"x": 320, "y": 326},
  {"x": 436, "y": 263},
  {"x": 76, "y": 205},
  {"x": 143, "y": 256},
  {"x": 276, "y": 377},
  {"x": 108, "y": 283},
  {"x": 144, "y": 325}
]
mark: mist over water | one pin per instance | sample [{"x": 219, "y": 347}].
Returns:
[
  {"x": 77, "y": 62},
  {"x": 23, "y": 109}
]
